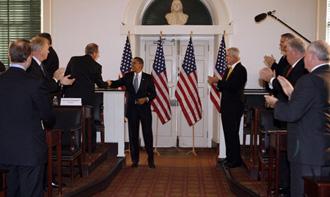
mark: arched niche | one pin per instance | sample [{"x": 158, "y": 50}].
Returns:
[
  {"x": 135, "y": 10},
  {"x": 196, "y": 10}
]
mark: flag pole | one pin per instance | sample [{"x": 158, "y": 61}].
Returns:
[
  {"x": 156, "y": 144},
  {"x": 193, "y": 142}
]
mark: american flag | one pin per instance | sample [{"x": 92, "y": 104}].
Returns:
[
  {"x": 126, "y": 61},
  {"x": 186, "y": 90},
  {"x": 161, "y": 104},
  {"x": 219, "y": 71}
]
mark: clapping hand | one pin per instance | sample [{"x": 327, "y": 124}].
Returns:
[
  {"x": 286, "y": 85},
  {"x": 266, "y": 74},
  {"x": 212, "y": 80},
  {"x": 270, "y": 101}
]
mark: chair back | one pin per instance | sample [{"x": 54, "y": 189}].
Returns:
[{"x": 69, "y": 120}]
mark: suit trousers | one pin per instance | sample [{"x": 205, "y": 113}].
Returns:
[
  {"x": 298, "y": 171},
  {"x": 231, "y": 119},
  {"x": 135, "y": 115},
  {"x": 25, "y": 181}
]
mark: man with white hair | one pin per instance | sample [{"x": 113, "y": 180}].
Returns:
[
  {"x": 308, "y": 115},
  {"x": 232, "y": 105}
]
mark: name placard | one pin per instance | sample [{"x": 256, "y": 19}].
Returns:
[{"x": 71, "y": 102}]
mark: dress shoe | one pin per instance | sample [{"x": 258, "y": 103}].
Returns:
[
  {"x": 151, "y": 164},
  {"x": 232, "y": 165},
  {"x": 55, "y": 184},
  {"x": 284, "y": 191},
  {"x": 134, "y": 165},
  {"x": 223, "y": 161}
]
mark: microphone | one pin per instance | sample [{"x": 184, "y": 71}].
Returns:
[{"x": 262, "y": 16}]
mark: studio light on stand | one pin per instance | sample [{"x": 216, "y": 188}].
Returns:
[{"x": 263, "y": 16}]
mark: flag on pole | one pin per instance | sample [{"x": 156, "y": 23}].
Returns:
[
  {"x": 126, "y": 61},
  {"x": 219, "y": 71},
  {"x": 161, "y": 103},
  {"x": 186, "y": 90}
]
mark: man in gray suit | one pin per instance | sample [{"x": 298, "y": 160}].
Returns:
[{"x": 308, "y": 115}]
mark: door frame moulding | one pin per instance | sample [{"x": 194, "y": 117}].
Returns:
[{"x": 131, "y": 21}]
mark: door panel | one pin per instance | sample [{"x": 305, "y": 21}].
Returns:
[{"x": 177, "y": 128}]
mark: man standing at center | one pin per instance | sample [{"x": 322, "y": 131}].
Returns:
[
  {"x": 232, "y": 105},
  {"x": 140, "y": 91}
]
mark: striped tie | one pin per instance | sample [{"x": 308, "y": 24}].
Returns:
[{"x": 136, "y": 83}]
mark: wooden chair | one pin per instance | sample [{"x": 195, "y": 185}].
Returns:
[
  {"x": 53, "y": 138},
  {"x": 3, "y": 183},
  {"x": 70, "y": 121}
]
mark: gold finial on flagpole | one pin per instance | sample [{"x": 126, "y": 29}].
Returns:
[{"x": 161, "y": 34}]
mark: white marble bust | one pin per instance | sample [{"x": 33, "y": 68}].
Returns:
[{"x": 176, "y": 16}]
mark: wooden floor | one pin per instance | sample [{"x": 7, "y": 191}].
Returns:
[{"x": 176, "y": 174}]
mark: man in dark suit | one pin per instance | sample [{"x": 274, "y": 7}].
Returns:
[
  {"x": 308, "y": 115},
  {"x": 295, "y": 52},
  {"x": 87, "y": 73},
  {"x": 2, "y": 67},
  {"x": 23, "y": 105},
  {"x": 283, "y": 63},
  {"x": 40, "y": 47},
  {"x": 51, "y": 63},
  {"x": 232, "y": 105},
  {"x": 140, "y": 90}
]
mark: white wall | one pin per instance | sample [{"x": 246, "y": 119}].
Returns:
[{"x": 78, "y": 22}]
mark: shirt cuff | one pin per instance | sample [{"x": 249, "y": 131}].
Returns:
[{"x": 270, "y": 84}]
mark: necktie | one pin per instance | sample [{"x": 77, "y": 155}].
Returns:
[
  {"x": 229, "y": 72},
  {"x": 288, "y": 72},
  {"x": 42, "y": 69},
  {"x": 136, "y": 83}
]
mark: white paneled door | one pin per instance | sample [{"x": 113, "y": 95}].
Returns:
[{"x": 177, "y": 132}]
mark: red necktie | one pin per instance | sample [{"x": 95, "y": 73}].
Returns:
[{"x": 288, "y": 72}]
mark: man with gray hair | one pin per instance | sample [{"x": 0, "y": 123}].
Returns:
[
  {"x": 308, "y": 115},
  {"x": 40, "y": 46},
  {"x": 23, "y": 105},
  {"x": 232, "y": 105}
]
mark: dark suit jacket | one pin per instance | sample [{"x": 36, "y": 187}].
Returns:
[
  {"x": 146, "y": 89},
  {"x": 233, "y": 88},
  {"x": 51, "y": 64},
  {"x": 281, "y": 66},
  {"x": 308, "y": 117},
  {"x": 298, "y": 71},
  {"x": 35, "y": 71},
  {"x": 23, "y": 104},
  {"x": 87, "y": 73},
  {"x": 2, "y": 67}
]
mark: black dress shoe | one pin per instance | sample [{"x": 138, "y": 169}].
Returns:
[
  {"x": 232, "y": 165},
  {"x": 151, "y": 164},
  {"x": 134, "y": 165},
  {"x": 223, "y": 161},
  {"x": 55, "y": 184}
]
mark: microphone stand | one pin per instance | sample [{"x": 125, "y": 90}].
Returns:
[{"x": 279, "y": 20}]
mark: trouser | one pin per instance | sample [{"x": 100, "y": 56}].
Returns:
[
  {"x": 25, "y": 181},
  {"x": 298, "y": 171},
  {"x": 136, "y": 116}
]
